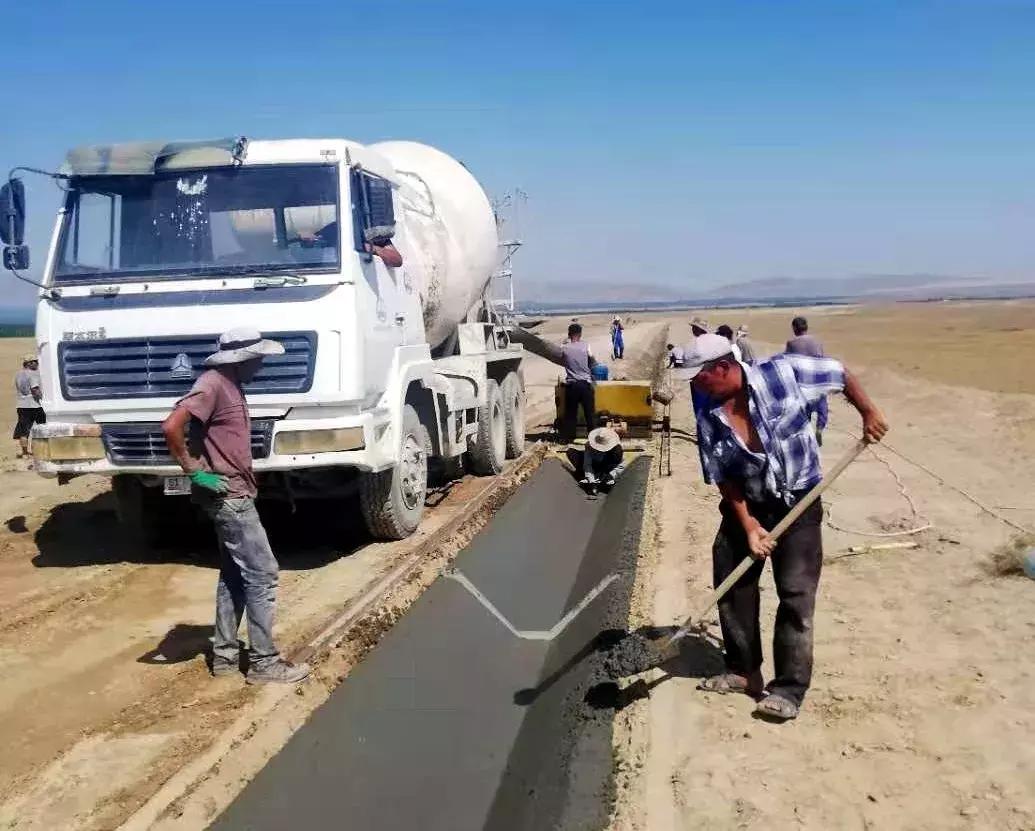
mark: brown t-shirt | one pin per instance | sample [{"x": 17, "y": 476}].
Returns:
[{"x": 219, "y": 437}]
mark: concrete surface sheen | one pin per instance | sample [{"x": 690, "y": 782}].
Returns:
[{"x": 426, "y": 732}]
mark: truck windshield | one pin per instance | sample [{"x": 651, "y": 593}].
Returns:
[{"x": 225, "y": 220}]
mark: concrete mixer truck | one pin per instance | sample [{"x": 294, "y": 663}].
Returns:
[{"x": 388, "y": 373}]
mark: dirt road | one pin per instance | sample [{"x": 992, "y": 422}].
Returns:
[{"x": 921, "y": 711}]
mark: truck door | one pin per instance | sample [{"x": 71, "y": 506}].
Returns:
[{"x": 372, "y": 211}]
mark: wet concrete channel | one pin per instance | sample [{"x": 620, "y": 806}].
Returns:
[{"x": 453, "y": 722}]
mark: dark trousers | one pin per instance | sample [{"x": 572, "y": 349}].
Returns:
[
  {"x": 797, "y": 561},
  {"x": 576, "y": 394},
  {"x": 822, "y": 410}
]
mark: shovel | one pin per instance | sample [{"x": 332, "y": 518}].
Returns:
[{"x": 637, "y": 654}]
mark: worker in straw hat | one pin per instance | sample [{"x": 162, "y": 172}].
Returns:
[
  {"x": 216, "y": 454},
  {"x": 29, "y": 401},
  {"x": 757, "y": 447},
  {"x": 602, "y": 461}
]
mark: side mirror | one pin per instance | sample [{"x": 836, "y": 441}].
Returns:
[
  {"x": 12, "y": 225},
  {"x": 12, "y": 213},
  {"x": 16, "y": 257}
]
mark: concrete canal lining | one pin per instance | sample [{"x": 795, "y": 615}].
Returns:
[{"x": 454, "y": 723}]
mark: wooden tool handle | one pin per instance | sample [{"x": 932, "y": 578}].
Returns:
[{"x": 778, "y": 531}]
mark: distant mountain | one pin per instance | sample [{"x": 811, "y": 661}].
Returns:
[
  {"x": 871, "y": 286},
  {"x": 770, "y": 291}
]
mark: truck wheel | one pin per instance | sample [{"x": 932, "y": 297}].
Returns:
[
  {"x": 393, "y": 500},
  {"x": 490, "y": 450},
  {"x": 514, "y": 413},
  {"x": 148, "y": 518}
]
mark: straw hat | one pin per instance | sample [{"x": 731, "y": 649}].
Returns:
[
  {"x": 699, "y": 323},
  {"x": 603, "y": 439},
  {"x": 29, "y": 356},
  {"x": 242, "y": 344}
]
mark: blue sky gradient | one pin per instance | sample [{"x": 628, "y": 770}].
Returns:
[{"x": 678, "y": 144}]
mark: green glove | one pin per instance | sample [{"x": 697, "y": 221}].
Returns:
[{"x": 214, "y": 482}]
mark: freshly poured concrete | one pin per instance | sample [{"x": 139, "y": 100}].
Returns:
[{"x": 441, "y": 726}]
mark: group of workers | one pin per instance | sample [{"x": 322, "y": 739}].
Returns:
[{"x": 756, "y": 444}]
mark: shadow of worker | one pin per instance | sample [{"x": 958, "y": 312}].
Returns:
[{"x": 184, "y": 642}]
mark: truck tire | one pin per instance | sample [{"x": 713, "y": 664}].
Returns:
[
  {"x": 392, "y": 500},
  {"x": 148, "y": 518},
  {"x": 490, "y": 450},
  {"x": 514, "y": 413}
]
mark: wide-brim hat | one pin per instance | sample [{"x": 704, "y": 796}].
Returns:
[
  {"x": 699, "y": 323},
  {"x": 28, "y": 357},
  {"x": 603, "y": 439},
  {"x": 243, "y": 344}
]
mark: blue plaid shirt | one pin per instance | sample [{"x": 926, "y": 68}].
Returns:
[{"x": 780, "y": 394}]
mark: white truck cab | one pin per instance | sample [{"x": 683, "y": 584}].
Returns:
[{"x": 160, "y": 247}]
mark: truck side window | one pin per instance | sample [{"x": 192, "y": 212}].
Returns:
[{"x": 373, "y": 212}]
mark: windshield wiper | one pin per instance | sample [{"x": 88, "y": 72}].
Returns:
[{"x": 267, "y": 278}]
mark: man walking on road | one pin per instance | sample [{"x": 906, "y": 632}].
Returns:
[
  {"x": 29, "y": 402},
  {"x": 218, "y": 458},
  {"x": 578, "y": 361},
  {"x": 804, "y": 344},
  {"x": 757, "y": 447}
]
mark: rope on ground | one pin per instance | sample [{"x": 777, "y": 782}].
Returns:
[
  {"x": 905, "y": 495},
  {"x": 941, "y": 480}
]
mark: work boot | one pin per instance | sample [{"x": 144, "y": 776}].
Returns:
[
  {"x": 278, "y": 672},
  {"x": 222, "y": 667}
]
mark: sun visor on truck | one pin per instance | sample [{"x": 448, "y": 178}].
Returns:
[{"x": 142, "y": 157}]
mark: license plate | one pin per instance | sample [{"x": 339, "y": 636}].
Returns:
[{"x": 177, "y": 486}]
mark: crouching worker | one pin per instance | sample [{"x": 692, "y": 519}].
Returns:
[
  {"x": 217, "y": 455},
  {"x": 602, "y": 461}
]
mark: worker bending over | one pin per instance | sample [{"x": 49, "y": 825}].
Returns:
[{"x": 756, "y": 445}]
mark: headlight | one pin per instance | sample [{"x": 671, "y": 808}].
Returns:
[
  {"x": 68, "y": 448},
  {"x": 300, "y": 442}
]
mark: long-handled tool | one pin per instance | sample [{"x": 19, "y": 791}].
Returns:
[{"x": 637, "y": 654}]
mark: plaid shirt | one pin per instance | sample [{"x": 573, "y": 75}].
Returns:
[{"x": 781, "y": 393}]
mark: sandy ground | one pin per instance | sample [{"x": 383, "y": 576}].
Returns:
[
  {"x": 922, "y": 711},
  {"x": 920, "y": 715},
  {"x": 105, "y": 694}
]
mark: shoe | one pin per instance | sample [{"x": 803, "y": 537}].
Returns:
[
  {"x": 278, "y": 672},
  {"x": 221, "y": 668}
]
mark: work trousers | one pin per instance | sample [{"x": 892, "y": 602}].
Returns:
[
  {"x": 577, "y": 394},
  {"x": 248, "y": 574},
  {"x": 618, "y": 347},
  {"x": 797, "y": 562}
]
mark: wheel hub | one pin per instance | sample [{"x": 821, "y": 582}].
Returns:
[{"x": 413, "y": 472}]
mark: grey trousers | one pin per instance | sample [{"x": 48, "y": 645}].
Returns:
[
  {"x": 247, "y": 581},
  {"x": 797, "y": 563}
]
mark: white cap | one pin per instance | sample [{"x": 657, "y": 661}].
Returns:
[{"x": 705, "y": 348}]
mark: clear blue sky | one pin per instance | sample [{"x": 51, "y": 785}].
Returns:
[{"x": 683, "y": 144}]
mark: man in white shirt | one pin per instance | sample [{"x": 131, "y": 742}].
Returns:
[{"x": 29, "y": 402}]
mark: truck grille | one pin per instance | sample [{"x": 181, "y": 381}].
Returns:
[
  {"x": 167, "y": 367},
  {"x": 144, "y": 444}
]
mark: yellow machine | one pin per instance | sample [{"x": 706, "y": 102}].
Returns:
[{"x": 630, "y": 402}]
